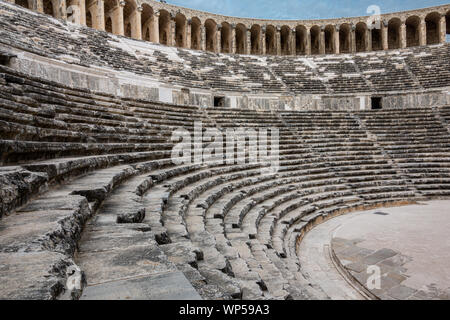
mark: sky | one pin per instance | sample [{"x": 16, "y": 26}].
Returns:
[{"x": 302, "y": 9}]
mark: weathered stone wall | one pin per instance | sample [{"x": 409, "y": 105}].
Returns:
[
  {"x": 120, "y": 84},
  {"x": 176, "y": 26}
]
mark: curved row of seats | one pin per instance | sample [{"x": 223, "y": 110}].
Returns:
[
  {"x": 383, "y": 71},
  {"x": 87, "y": 180}
]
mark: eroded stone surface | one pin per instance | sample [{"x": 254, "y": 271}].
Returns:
[{"x": 416, "y": 272}]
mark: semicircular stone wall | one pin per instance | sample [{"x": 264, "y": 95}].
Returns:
[
  {"x": 186, "y": 28},
  {"x": 84, "y": 57}
]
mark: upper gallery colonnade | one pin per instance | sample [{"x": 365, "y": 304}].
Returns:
[{"x": 186, "y": 28}]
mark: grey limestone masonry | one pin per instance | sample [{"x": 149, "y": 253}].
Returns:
[
  {"x": 357, "y": 260},
  {"x": 93, "y": 205}
]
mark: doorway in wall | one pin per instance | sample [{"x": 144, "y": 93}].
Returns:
[
  {"x": 219, "y": 102},
  {"x": 376, "y": 103}
]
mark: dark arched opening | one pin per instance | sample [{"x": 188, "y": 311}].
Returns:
[
  {"x": 361, "y": 37},
  {"x": 241, "y": 38},
  {"x": 271, "y": 47},
  {"x": 394, "y": 33},
  {"x": 412, "y": 31},
  {"x": 301, "y": 38},
  {"x": 255, "y": 39},
  {"x": 211, "y": 35}
]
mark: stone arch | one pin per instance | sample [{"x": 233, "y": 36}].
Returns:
[
  {"x": 49, "y": 8},
  {"x": 210, "y": 35},
  {"x": 394, "y": 33},
  {"x": 24, "y": 4},
  {"x": 109, "y": 25},
  {"x": 196, "y": 33},
  {"x": 412, "y": 31},
  {"x": 315, "y": 40},
  {"x": 91, "y": 15},
  {"x": 329, "y": 39},
  {"x": 180, "y": 30},
  {"x": 255, "y": 39},
  {"x": 432, "y": 26},
  {"x": 271, "y": 40},
  {"x": 127, "y": 30},
  {"x": 361, "y": 37},
  {"x": 129, "y": 19},
  {"x": 226, "y": 38},
  {"x": 345, "y": 44},
  {"x": 73, "y": 10},
  {"x": 301, "y": 40},
  {"x": 285, "y": 40},
  {"x": 110, "y": 9},
  {"x": 147, "y": 21},
  {"x": 377, "y": 42},
  {"x": 241, "y": 38},
  {"x": 164, "y": 27},
  {"x": 447, "y": 24},
  {"x": 89, "y": 22}
]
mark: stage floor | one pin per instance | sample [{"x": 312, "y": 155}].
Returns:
[{"x": 408, "y": 247}]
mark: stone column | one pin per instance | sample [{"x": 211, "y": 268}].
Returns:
[
  {"x": 353, "y": 38},
  {"x": 155, "y": 27},
  {"x": 99, "y": 18},
  {"x": 203, "y": 37},
  {"x": 322, "y": 40},
  {"x": 61, "y": 9},
  {"x": 294, "y": 42},
  {"x": 136, "y": 24},
  {"x": 82, "y": 12},
  {"x": 188, "y": 34},
  {"x": 218, "y": 38},
  {"x": 278, "y": 41},
  {"x": 39, "y": 6},
  {"x": 403, "y": 34},
  {"x": 308, "y": 42},
  {"x": 422, "y": 32},
  {"x": 336, "y": 40},
  {"x": 118, "y": 23},
  {"x": 442, "y": 29},
  {"x": 248, "y": 41},
  {"x": 233, "y": 38},
  {"x": 369, "y": 39},
  {"x": 173, "y": 29},
  {"x": 384, "y": 35},
  {"x": 263, "y": 40}
]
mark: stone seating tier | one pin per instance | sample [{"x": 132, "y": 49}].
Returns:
[
  {"x": 87, "y": 178},
  {"x": 370, "y": 72}
]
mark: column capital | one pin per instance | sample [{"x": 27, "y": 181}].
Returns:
[
  {"x": 122, "y": 3},
  {"x": 139, "y": 9}
]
